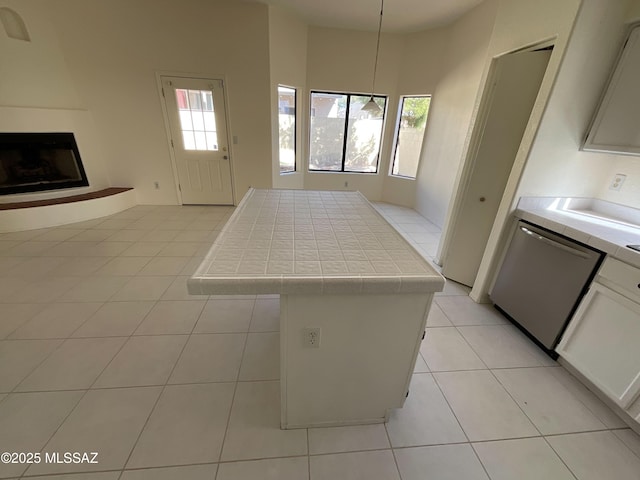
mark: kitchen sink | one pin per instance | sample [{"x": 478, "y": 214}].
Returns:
[{"x": 598, "y": 211}]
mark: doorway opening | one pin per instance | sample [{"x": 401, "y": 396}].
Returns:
[{"x": 512, "y": 89}]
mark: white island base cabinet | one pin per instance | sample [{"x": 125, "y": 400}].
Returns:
[
  {"x": 362, "y": 364},
  {"x": 602, "y": 342},
  {"x": 350, "y": 329}
]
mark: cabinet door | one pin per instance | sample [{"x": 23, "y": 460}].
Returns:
[
  {"x": 603, "y": 343},
  {"x": 616, "y": 127}
]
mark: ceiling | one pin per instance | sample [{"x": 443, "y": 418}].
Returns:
[{"x": 400, "y": 16}]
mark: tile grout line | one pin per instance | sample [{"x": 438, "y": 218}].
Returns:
[
  {"x": 155, "y": 404},
  {"x": 40, "y": 310},
  {"x": 308, "y": 455},
  {"x": 530, "y": 419},
  {"x": 237, "y": 381},
  {"x": 95, "y": 380},
  {"x": 393, "y": 453},
  {"x": 76, "y": 404},
  {"x": 559, "y": 457},
  {"x": 579, "y": 399},
  {"x": 94, "y": 337},
  {"x": 497, "y": 379},
  {"x": 435, "y": 380},
  {"x": 235, "y": 389},
  {"x": 13, "y": 390},
  {"x": 473, "y": 449},
  {"x": 637, "y": 454},
  {"x": 516, "y": 402}
]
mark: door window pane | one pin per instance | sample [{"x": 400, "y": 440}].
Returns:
[
  {"x": 343, "y": 137},
  {"x": 212, "y": 141},
  {"x": 188, "y": 140},
  {"x": 197, "y": 119},
  {"x": 209, "y": 122},
  {"x": 287, "y": 128},
  {"x": 185, "y": 120},
  {"x": 201, "y": 140},
  {"x": 410, "y": 134}
]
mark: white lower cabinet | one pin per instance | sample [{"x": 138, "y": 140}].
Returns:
[{"x": 602, "y": 341}]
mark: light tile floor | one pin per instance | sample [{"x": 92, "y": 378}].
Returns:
[{"x": 102, "y": 350}]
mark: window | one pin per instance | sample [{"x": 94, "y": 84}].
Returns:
[
  {"x": 409, "y": 135},
  {"x": 197, "y": 119},
  {"x": 342, "y": 137},
  {"x": 287, "y": 128}
]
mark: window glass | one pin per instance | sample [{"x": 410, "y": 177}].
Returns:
[
  {"x": 363, "y": 136},
  {"x": 342, "y": 136},
  {"x": 326, "y": 131},
  {"x": 197, "y": 119},
  {"x": 287, "y": 128},
  {"x": 409, "y": 135}
]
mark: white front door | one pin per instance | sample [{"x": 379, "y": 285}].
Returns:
[{"x": 198, "y": 127}]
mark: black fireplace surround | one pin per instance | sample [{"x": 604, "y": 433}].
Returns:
[{"x": 35, "y": 162}]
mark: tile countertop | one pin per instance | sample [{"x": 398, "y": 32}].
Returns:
[
  {"x": 589, "y": 221},
  {"x": 299, "y": 241}
]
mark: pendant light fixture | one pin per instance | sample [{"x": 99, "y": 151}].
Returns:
[{"x": 371, "y": 106}]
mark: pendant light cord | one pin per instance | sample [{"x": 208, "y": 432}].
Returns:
[{"x": 375, "y": 65}]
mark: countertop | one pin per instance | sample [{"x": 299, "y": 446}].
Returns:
[
  {"x": 600, "y": 232},
  {"x": 315, "y": 242}
]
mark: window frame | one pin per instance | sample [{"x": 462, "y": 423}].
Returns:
[
  {"x": 295, "y": 130},
  {"x": 396, "y": 136},
  {"x": 345, "y": 138}
]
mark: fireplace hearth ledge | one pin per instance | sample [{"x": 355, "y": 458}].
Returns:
[{"x": 30, "y": 215}]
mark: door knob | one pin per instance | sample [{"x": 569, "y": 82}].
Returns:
[
  {"x": 225, "y": 157},
  {"x": 482, "y": 199}
]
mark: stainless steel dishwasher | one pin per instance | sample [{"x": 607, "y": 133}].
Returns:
[{"x": 541, "y": 281}]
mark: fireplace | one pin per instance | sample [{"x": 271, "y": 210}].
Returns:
[{"x": 35, "y": 162}]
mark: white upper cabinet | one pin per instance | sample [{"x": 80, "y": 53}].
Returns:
[{"x": 616, "y": 127}]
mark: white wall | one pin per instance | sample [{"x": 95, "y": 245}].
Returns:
[
  {"x": 114, "y": 50},
  {"x": 629, "y": 194},
  {"x": 288, "y": 62},
  {"x": 37, "y": 94},
  {"x": 35, "y": 74},
  {"x": 554, "y": 164},
  {"x": 452, "y": 109},
  {"x": 342, "y": 61},
  {"x": 633, "y": 12},
  {"x": 80, "y": 122},
  {"x": 420, "y": 70}
]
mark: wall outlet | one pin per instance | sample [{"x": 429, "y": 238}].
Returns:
[
  {"x": 618, "y": 180},
  {"x": 156, "y": 185},
  {"x": 311, "y": 337}
]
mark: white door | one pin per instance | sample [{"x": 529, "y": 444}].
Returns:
[
  {"x": 198, "y": 126},
  {"x": 517, "y": 81}
]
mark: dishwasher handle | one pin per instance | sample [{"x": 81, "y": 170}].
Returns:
[{"x": 553, "y": 243}]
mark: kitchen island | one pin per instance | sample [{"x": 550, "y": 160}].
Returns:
[{"x": 354, "y": 297}]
